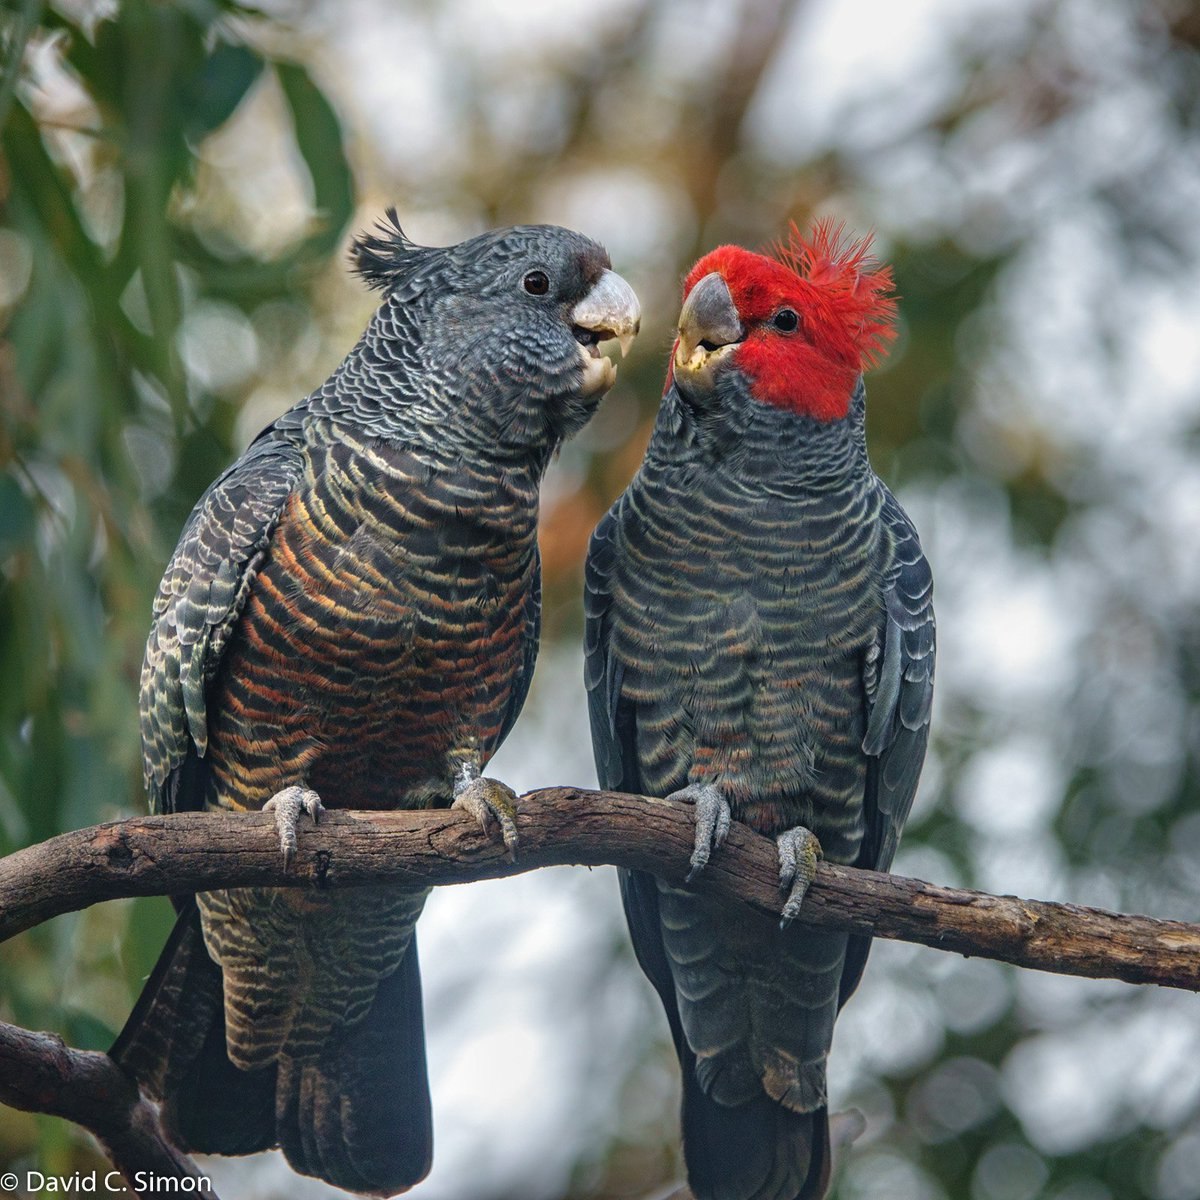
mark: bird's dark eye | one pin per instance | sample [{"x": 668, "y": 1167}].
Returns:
[
  {"x": 536, "y": 283},
  {"x": 786, "y": 320}
]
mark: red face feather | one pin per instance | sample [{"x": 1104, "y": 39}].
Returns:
[{"x": 846, "y": 316}]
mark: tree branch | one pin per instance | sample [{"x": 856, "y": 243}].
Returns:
[
  {"x": 189, "y": 852},
  {"x": 39, "y": 1073}
]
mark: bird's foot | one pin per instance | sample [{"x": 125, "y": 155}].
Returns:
[
  {"x": 713, "y": 819},
  {"x": 488, "y": 800},
  {"x": 799, "y": 853},
  {"x": 288, "y": 806}
]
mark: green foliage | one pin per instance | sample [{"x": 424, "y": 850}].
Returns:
[{"x": 106, "y": 435}]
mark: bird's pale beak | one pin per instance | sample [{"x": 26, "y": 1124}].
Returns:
[
  {"x": 709, "y": 330},
  {"x": 609, "y": 310}
]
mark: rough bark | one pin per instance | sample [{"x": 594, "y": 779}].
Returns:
[
  {"x": 194, "y": 851},
  {"x": 39, "y": 1073}
]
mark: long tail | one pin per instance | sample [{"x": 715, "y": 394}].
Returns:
[
  {"x": 754, "y": 1150},
  {"x": 174, "y": 1045},
  {"x": 357, "y": 1115},
  {"x": 758, "y": 1150}
]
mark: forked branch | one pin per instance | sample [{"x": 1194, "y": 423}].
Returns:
[
  {"x": 191, "y": 852},
  {"x": 39, "y": 1073}
]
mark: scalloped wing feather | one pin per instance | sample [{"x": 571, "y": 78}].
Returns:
[{"x": 201, "y": 596}]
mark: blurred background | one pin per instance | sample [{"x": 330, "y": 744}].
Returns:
[{"x": 178, "y": 183}]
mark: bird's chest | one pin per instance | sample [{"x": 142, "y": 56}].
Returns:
[
  {"x": 746, "y": 649},
  {"x": 389, "y": 600},
  {"x": 378, "y": 638},
  {"x": 743, "y": 667},
  {"x": 754, "y": 601}
]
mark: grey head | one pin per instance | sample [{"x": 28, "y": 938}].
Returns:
[{"x": 493, "y": 342}]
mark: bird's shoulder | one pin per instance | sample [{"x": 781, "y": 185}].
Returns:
[
  {"x": 898, "y": 678},
  {"x": 202, "y": 592}
]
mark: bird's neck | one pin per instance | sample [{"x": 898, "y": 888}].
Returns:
[
  {"x": 436, "y": 426},
  {"x": 763, "y": 446},
  {"x": 504, "y": 434},
  {"x": 403, "y": 481}
]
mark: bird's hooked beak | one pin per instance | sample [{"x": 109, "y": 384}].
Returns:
[
  {"x": 709, "y": 331},
  {"x": 609, "y": 310}
]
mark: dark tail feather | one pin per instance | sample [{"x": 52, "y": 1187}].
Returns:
[
  {"x": 174, "y": 1045},
  {"x": 754, "y": 1151},
  {"x": 359, "y": 1116},
  {"x": 857, "y": 950}
]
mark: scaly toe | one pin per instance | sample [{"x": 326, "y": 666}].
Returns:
[
  {"x": 799, "y": 853},
  {"x": 489, "y": 800},
  {"x": 288, "y": 806},
  {"x": 713, "y": 819}
]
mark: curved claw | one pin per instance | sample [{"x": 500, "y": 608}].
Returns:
[
  {"x": 799, "y": 853},
  {"x": 489, "y": 800},
  {"x": 713, "y": 818},
  {"x": 288, "y": 806}
]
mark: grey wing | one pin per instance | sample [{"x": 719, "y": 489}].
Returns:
[
  {"x": 900, "y": 695},
  {"x": 613, "y": 743},
  {"x": 199, "y": 600},
  {"x": 611, "y": 723},
  {"x": 898, "y": 724}
]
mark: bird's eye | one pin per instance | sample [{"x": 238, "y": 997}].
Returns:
[
  {"x": 536, "y": 283},
  {"x": 786, "y": 320}
]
